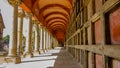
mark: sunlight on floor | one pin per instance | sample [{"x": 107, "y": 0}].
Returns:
[
  {"x": 57, "y": 58},
  {"x": 44, "y": 60}
]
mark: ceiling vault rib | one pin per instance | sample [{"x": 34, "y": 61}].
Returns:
[{"x": 54, "y": 15}]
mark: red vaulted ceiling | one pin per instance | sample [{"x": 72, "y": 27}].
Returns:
[{"x": 53, "y": 14}]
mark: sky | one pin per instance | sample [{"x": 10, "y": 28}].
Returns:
[{"x": 7, "y": 14}]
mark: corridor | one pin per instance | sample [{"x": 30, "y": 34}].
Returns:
[
  {"x": 89, "y": 31},
  {"x": 57, "y": 58}
]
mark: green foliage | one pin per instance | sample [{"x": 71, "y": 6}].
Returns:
[{"x": 6, "y": 39}]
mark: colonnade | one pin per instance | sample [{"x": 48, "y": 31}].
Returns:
[{"x": 43, "y": 39}]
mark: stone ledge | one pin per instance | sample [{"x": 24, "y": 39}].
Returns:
[{"x": 15, "y": 60}]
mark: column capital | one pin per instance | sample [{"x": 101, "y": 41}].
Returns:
[
  {"x": 36, "y": 22},
  {"x": 30, "y": 14},
  {"x": 14, "y": 2},
  {"x": 21, "y": 13}
]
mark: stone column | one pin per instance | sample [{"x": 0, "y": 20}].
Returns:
[
  {"x": 21, "y": 15},
  {"x": 12, "y": 54},
  {"x": 46, "y": 40},
  {"x": 54, "y": 43},
  {"x": 37, "y": 39},
  {"x": 43, "y": 39},
  {"x": 51, "y": 42},
  {"x": 29, "y": 47}
]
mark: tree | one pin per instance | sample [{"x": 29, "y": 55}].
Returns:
[{"x": 6, "y": 39}]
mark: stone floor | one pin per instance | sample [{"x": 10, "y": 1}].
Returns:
[{"x": 57, "y": 58}]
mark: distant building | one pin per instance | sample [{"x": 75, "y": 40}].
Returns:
[{"x": 2, "y": 26}]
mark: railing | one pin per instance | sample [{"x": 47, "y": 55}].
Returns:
[
  {"x": 112, "y": 51},
  {"x": 85, "y": 54}
]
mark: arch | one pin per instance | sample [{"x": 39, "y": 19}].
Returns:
[
  {"x": 58, "y": 27},
  {"x": 60, "y": 23},
  {"x": 56, "y": 15},
  {"x": 47, "y": 21},
  {"x": 51, "y": 6},
  {"x": 55, "y": 9},
  {"x": 52, "y": 13},
  {"x": 55, "y": 22}
]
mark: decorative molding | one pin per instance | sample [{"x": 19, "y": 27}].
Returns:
[
  {"x": 21, "y": 13},
  {"x": 14, "y": 2}
]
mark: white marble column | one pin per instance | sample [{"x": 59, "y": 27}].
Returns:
[
  {"x": 37, "y": 39},
  {"x": 51, "y": 42},
  {"x": 29, "y": 47},
  {"x": 43, "y": 39},
  {"x": 54, "y": 42},
  {"x": 46, "y": 40},
  {"x": 21, "y": 15},
  {"x": 12, "y": 54},
  {"x": 13, "y": 37}
]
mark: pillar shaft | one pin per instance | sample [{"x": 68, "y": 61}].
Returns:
[
  {"x": 51, "y": 43},
  {"x": 43, "y": 40},
  {"x": 30, "y": 36},
  {"x": 29, "y": 47},
  {"x": 12, "y": 54},
  {"x": 21, "y": 35},
  {"x": 37, "y": 39},
  {"x": 41, "y": 36},
  {"x": 13, "y": 38},
  {"x": 46, "y": 40}
]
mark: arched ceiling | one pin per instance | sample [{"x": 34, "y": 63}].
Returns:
[{"x": 53, "y": 14}]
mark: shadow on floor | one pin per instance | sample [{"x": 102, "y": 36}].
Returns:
[
  {"x": 65, "y": 60},
  {"x": 53, "y": 54},
  {"x": 38, "y": 60},
  {"x": 50, "y": 67}
]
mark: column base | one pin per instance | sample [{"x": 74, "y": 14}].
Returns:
[
  {"x": 21, "y": 53},
  {"x": 53, "y": 47},
  {"x": 27, "y": 54},
  {"x": 15, "y": 60},
  {"x": 46, "y": 49},
  {"x": 43, "y": 50},
  {"x": 49, "y": 48},
  {"x": 37, "y": 52}
]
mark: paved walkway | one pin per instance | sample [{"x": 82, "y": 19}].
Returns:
[{"x": 57, "y": 58}]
